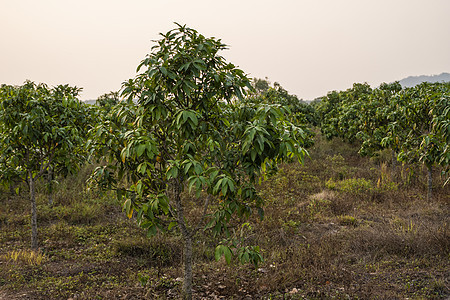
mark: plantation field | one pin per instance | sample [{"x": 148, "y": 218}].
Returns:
[{"x": 338, "y": 227}]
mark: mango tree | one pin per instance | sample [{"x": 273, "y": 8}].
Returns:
[
  {"x": 329, "y": 113},
  {"x": 377, "y": 115},
  {"x": 419, "y": 126},
  {"x": 299, "y": 112},
  {"x": 79, "y": 117},
  {"x": 108, "y": 100},
  {"x": 38, "y": 130},
  {"x": 441, "y": 124},
  {"x": 192, "y": 144},
  {"x": 341, "y": 112}
]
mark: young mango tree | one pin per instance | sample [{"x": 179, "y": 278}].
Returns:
[
  {"x": 441, "y": 125},
  {"x": 192, "y": 145},
  {"x": 329, "y": 114},
  {"x": 418, "y": 126},
  {"x": 376, "y": 118},
  {"x": 343, "y": 114},
  {"x": 37, "y": 130},
  {"x": 79, "y": 117}
]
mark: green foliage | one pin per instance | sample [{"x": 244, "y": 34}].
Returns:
[
  {"x": 420, "y": 120},
  {"x": 236, "y": 247},
  {"x": 41, "y": 127},
  {"x": 188, "y": 129},
  {"x": 261, "y": 85},
  {"x": 340, "y": 112},
  {"x": 299, "y": 112},
  {"x": 108, "y": 100}
]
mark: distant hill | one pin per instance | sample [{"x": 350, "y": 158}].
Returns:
[{"x": 415, "y": 80}]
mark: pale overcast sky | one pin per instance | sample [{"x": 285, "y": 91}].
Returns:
[{"x": 309, "y": 46}]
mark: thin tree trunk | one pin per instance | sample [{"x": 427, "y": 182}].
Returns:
[
  {"x": 50, "y": 187},
  {"x": 34, "y": 240},
  {"x": 430, "y": 183},
  {"x": 187, "y": 237},
  {"x": 188, "y": 276}
]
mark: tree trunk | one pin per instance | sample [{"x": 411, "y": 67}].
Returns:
[
  {"x": 34, "y": 240},
  {"x": 187, "y": 237},
  {"x": 188, "y": 276},
  {"x": 50, "y": 187},
  {"x": 430, "y": 183}
]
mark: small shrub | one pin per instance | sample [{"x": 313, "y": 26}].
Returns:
[
  {"x": 352, "y": 185},
  {"x": 347, "y": 221}
]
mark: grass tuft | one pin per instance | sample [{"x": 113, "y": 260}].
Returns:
[{"x": 28, "y": 257}]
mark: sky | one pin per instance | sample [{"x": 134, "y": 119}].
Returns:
[{"x": 310, "y": 47}]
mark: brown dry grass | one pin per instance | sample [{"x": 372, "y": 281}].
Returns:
[{"x": 374, "y": 236}]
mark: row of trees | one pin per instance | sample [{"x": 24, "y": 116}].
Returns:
[{"x": 412, "y": 122}]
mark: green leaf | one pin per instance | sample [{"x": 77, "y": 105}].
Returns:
[
  {"x": 253, "y": 154},
  {"x": 228, "y": 254},
  {"x": 198, "y": 169},
  {"x": 140, "y": 149},
  {"x": 218, "y": 252},
  {"x": 139, "y": 187},
  {"x": 192, "y": 181},
  {"x": 119, "y": 194},
  {"x": 128, "y": 209},
  {"x": 222, "y": 250},
  {"x": 187, "y": 167},
  {"x": 224, "y": 186},
  {"x": 172, "y": 172},
  {"x": 152, "y": 230},
  {"x": 217, "y": 186},
  {"x": 142, "y": 168}
]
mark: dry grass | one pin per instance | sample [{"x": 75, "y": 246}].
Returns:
[
  {"x": 28, "y": 257},
  {"x": 339, "y": 227}
]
